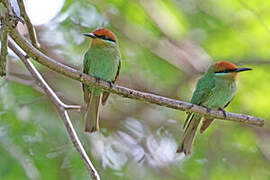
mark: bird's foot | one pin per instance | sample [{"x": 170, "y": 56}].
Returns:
[
  {"x": 97, "y": 79},
  {"x": 207, "y": 109},
  {"x": 110, "y": 83},
  {"x": 223, "y": 111}
]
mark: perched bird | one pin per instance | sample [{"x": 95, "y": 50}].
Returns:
[
  {"x": 214, "y": 90},
  {"x": 102, "y": 60}
]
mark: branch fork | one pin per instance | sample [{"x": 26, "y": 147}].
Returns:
[
  {"x": 31, "y": 50},
  {"x": 61, "y": 108}
]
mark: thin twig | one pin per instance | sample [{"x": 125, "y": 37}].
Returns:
[
  {"x": 10, "y": 16},
  {"x": 27, "y": 80},
  {"x": 61, "y": 107},
  {"x": 30, "y": 27},
  {"x": 3, "y": 57},
  {"x": 126, "y": 92}
]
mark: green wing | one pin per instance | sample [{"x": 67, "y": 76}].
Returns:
[
  {"x": 85, "y": 88},
  {"x": 88, "y": 61},
  {"x": 201, "y": 94},
  {"x": 105, "y": 95},
  {"x": 203, "y": 90}
]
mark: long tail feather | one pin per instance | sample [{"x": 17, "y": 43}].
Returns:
[
  {"x": 189, "y": 134},
  {"x": 187, "y": 119},
  {"x": 91, "y": 118},
  {"x": 206, "y": 123}
]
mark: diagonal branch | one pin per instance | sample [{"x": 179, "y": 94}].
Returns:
[
  {"x": 126, "y": 92},
  {"x": 30, "y": 27},
  {"x": 7, "y": 14},
  {"x": 29, "y": 81},
  {"x": 61, "y": 107}
]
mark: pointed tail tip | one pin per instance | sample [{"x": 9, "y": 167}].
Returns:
[
  {"x": 181, "y": 149},
  {"x": 91, "y": 129}
]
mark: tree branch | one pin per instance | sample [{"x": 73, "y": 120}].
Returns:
[
  {"x": 7, "y": 14},
  {"x": 23, "y": 79},
  {"x": 3, "y": 57},
  {"x": 126, "y": 92},
  {"x": 30, "y": 27},
  {"x": 62, "y": 109}
]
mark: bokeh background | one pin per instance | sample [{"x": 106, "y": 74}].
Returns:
[{"x": 165, "y": 45}]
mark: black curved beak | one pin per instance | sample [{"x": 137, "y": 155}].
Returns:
[
  {"x": 90, "y": 35},
  {"x": 242, "y": 69}
]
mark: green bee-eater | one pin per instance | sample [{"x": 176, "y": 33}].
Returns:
[
  {"x": 214, "y": 90},
  {"x": 102, "y": 60}
]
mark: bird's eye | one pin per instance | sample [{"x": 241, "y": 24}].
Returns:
[
  {"x": 105, "y": 38},
  {"x": 225, "y": 71}
]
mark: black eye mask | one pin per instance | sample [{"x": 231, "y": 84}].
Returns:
[
  {"x": 226, "y": 71},
  {"x": 105, "y": 38}
]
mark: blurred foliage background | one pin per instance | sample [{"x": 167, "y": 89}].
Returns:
[{"x": 165, "y": 45}]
